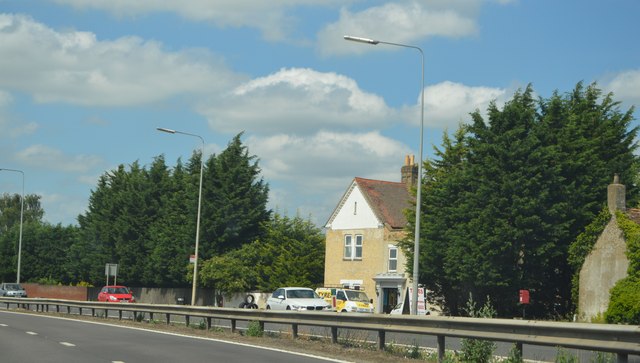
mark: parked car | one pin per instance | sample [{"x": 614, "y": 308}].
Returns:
[
  {"x": 346, "y": 300},
  {"x": 10, "y": 289},
  {"x": 116, "y": 293},
  {"x": 297, "y": 298}
]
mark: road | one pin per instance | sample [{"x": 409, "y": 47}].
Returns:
[
  {"x": 532, "y": 353},
  {"x": 37, "y": 338}
]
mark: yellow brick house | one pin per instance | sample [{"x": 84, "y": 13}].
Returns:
[{"x": 362, "y": 238}]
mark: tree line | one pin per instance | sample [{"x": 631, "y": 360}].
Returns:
[
  {"x": 507, "y": 194},
  {"x": 505, "y": 201},
  {"x": 144, "y": 219}
]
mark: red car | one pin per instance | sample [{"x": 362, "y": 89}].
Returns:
[{"x": 116, "y": 293}]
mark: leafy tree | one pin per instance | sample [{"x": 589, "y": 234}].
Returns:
[
  {"x": 11, "y": 205},
  {"x": 624, "y": 300},
  {"x": 290, "y": 253}
]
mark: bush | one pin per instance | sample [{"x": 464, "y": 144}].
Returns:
[
  {"x": 624, "y": 303},
  {"x": 255, "y": 329},
  {"x": 565, "y": 357},
  {"x": 476, "y": 350}
]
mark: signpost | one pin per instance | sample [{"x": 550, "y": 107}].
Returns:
[
  {"x": 422, "y": 305},
  {"x": 111, "y": 269}
]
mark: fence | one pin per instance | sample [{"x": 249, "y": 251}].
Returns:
[{"x": 623, "y": 340}]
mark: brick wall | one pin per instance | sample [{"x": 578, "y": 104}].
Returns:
[{"x": 56, "y": 292}]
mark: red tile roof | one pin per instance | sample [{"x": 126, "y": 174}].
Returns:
[{"x": 387, "y": 199}]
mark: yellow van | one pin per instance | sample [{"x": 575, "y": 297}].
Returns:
[{"x": 346, "y": 300}]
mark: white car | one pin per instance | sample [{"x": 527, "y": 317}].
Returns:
[
  {"x": 297, "y": 298},
  {"x": 9, "y": 289}
]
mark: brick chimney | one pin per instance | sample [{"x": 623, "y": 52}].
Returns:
[
  {"x": 616, "y": 195},
  {"x": 409, "y": 172}
]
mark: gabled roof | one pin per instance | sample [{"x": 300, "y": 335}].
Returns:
[{"x": 387, "y": 200}]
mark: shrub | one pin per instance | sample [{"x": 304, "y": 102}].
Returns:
[
  {"x": 624, "y": 304},
  {"x": 476, "y": 350},
  {"x": 255, "y": 329},
  {"x": 565, "y": 357}
]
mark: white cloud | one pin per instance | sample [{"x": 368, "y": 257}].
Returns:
[
  {"x": 399, "y": 22},
  {"x": 272, "y": 18},
  {"x": 46, "y": 157},
  {"x": 625, "y": 86},
  {"x": 326, "y": 155},
  {"x": 297, "y": 100},
  {"x": 77, "y": 68},
  {"x": 447, "y": 104},
  {"x": 63, "y": 207},
  {"x": 312, "y": 172}
]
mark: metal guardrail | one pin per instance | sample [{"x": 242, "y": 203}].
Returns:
[{"x": 623, "y": 340}]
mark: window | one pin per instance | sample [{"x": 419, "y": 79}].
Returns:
[
  {"x": 353, "y": 247},
  {"x": 393, "y": 259},
  {"x": 358, "y": 251},
  {"x": 348, "y": 246}
]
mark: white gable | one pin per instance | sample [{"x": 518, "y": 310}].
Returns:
[{"x": 354, "y": 212}]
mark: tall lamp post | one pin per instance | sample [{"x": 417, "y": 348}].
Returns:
[
  {"x": 416, "y": 247},
  {"x": 21, "y": 216},
  {"x": 195, "y": 261}
]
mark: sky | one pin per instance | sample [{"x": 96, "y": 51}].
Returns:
[{"x": 85, "y": 83}]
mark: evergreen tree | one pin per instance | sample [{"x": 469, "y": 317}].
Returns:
[
  {"x": 234, "y": 203},
  {"x": 10, "y": 210},
  {"x": 172, "y": 235},
  {"x": 503, "y": 202}
]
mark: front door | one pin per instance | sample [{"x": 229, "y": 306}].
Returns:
[{"x": 389, "y": 299}]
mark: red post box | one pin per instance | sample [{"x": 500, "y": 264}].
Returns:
[{"x": 524, "y": 297}]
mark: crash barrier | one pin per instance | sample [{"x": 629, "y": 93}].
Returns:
[{"x": 623, "y": 340}]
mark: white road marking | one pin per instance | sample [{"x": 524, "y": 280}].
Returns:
[
  {"x": 4, "y": 325},
  {"x": 32, "y": 333},
  {"x": 185, "y": 336},
  {"x": 68, "y": 344}
]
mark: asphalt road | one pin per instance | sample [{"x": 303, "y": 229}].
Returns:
[{"x": 37, "y": 338}]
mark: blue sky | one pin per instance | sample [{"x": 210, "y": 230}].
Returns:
[{"x": 85, "y": 83}]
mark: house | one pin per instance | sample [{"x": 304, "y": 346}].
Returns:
[
  {"x": 607, "y": 262},
  {"x": 362, "y": 238}
]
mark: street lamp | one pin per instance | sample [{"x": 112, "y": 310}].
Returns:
[
  {"x": 416, "y": 247},
  {"x": 21, "y": 214},
  {"x": 195, "y": 261}
]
